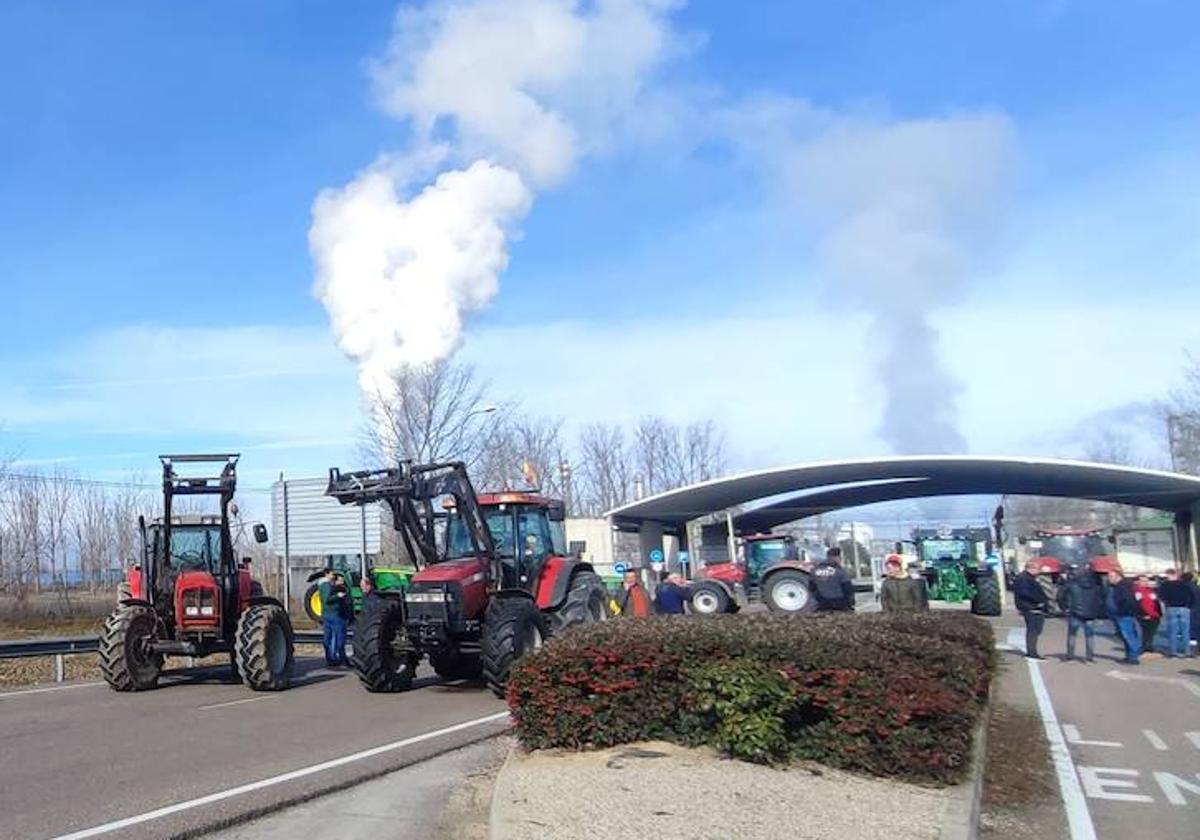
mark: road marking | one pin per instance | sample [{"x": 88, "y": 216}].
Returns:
[
  {"x": 1098, "y": 787},
  {"x": 1016, "y": 639},
  {"x": 236, "y": 702},
  {"x": 313, "y": 769},
  {"x": 1073, "y": 737},
  {"x": 1155, "y": 741},
  {"x": 1194, "y": 737},
  {"x": 1172, "y": 784},
  {"x": 44, "y": 690},
  {"x": 1079, "y": 821},
  {"x": 1125, "y": 676}
]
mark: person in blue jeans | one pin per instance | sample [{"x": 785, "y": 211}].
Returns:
[
  {"x": 1082, "y": 599},
  {"x": 1123, "y": 609},
  {"x": 333, "y": 618},
  {"x": 1177, "y": 598}
]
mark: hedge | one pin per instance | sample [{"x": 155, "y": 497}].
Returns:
[{"x": 886, "y": 695}]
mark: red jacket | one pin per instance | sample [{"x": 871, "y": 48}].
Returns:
[{"x": 1148, "y": 600}]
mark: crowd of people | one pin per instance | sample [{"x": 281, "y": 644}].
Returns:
[{"x": 1136, "y": 606}]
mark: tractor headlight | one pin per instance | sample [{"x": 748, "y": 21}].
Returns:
[
  {"x": 190, "y": 610},
  {"x": 425, "y": 597}
]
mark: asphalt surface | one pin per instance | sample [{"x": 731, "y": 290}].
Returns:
[
  {"x": 84, "y": 757},
  {"x": 1129, "y": 737}
]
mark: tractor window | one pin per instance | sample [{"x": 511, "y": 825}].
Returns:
[
  {"x": 535, "y": 537},
  {"x": 458, "y": 535},
  {"x": 196, "y": 549},
  {"x": 933, "y": 551}
]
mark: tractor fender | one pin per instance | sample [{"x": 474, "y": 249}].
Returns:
[
  {"x": 557, "y": 573},
  {"x": 317, "y": 575},
  {"x": 259, "y": 600},
  {"x": 785, "y": 566},
  {"x": 135, "y": 602}
]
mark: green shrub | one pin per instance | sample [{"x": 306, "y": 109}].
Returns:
[{"x": 888, "y": 695}]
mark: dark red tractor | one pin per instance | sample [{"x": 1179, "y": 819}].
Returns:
[
  {"x": 1057, "y": 549},
  {"x": 493, "y": 582},
  {"x": 189, "y": 595},
  {"x": 771, "y": 570}
]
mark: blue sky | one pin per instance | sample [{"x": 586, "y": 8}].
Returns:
[{"x": 160, "y": 163}]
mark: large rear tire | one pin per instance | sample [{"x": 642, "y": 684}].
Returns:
[
  {"x": 710, "y": 598},
  {"x": 987, "y": 599},
  {"x": 381, "y": 664},
  {"x": 125, "y": 662},
  {"x": 312, "y": 603},
  {"x": 586, "y": 603},
  {"x": 264, "y": 647},
  {"x": 788, "y": 591},
  {"x": 512, "y": 627}
]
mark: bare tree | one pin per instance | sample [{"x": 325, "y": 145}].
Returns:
[
  {"x": 433, "y": 412},
  {"x": 667, "y": 456},
  {"x": 1183, "y": 421},
  {"x": 523, "y": 449},
  {"x": 22, "y": 512},
  {"x": 59, "y": 491},
  {"x": 93, "y": 523},
  {"x": 604, "y": 468}
]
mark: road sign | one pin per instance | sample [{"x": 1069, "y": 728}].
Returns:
[
  {"x": 656, "y": 555},
  {"x": 620, "y": 568}
]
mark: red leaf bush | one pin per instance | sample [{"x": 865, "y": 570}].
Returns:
[{"x": 886, "y": 695}]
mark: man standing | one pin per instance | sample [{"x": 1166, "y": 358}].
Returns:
[
  {"x": 333, "y": 619},
  {"x": 671, "y": 595},
  {"x": 1178, "y": 599},
  {"x": 1083, "y": 601},
  {"x": 1123, "y": 609},
  {"x": 834, "y": 589},
  {"x": 1031, "y": 603},
  {"x": 634, "y": 600},
  {"x": 899, "y": 592}
]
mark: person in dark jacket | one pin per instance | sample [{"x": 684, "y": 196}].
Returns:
[
  {"x": 1177, "y": 600},
  {"x": 333, "y": 619},
  {"x": 899, "y": 592},
  {"x": 1082, "y": 599},
  {"x": 1190, "y": 579},
  {"x": 1123, "y": 609},
  {"x": 1031, "y": 603},
  {"x": 834, "y": 589},
  {"x": 670, "y": 596}
]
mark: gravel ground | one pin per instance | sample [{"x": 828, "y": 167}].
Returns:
[{"x": 650, "y": 790}]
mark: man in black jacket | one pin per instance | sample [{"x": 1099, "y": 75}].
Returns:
[
  {"x": 1082, "y": 599},
  {"x": 834, "y": 589},
  {"x": 1031, "y": 603},
  {"x": 1123, "y": 609},
  {"x": 1177, "y": 599}
]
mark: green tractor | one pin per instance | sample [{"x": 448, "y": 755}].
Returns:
[
  {"x": 384, "y": 578},
  {"x": 951, "y": 561}
]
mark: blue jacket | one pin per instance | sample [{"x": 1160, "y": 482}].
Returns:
[{"x": 669, "y": 598}]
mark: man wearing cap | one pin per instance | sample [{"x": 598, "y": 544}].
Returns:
[
  {"x": 834, "y": 589},
  {"x": 333, "y": 620}
]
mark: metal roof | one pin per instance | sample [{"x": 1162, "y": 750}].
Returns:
[{"x": 833, "y": 485}]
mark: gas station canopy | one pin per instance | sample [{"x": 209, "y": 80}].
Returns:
[{"x": 812, "y": 489}]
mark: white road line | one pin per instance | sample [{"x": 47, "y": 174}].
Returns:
[
  {"x": 1079, "y": 821},
  {"x": 1155, "y": 741},
  {"x": 236, "y": 702},
  {"x": 276, "y": 780},
  {"x": 51, "y": 688}
]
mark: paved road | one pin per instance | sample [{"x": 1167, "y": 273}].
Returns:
[
  {"x": 1129, "y": 738},
  {"x": 84, "y": 756}
]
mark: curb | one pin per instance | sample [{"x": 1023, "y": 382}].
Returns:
[
  {"x": 961, "y": 818},
  {"x": 495, "y": 829}
]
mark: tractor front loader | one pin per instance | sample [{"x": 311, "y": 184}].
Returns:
[
  {"x": 493, "y": 580},
  {"x": 189, "y": 595}
]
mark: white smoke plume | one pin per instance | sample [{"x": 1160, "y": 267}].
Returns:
[
  {"x": 507, "y": 96},
  {"x": 904, "y": 212}
]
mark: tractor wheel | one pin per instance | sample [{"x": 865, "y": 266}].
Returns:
[
  {"x": 987, "y": 596},
  {"x": 788, "y": 591},
  {"x": 312, "y": 603},
  {"x": 380, "y": 666},
  {"x": 709, "y": 598},
  {"x": 264, "y": 647},
  {"x": 124, "y": 590},
  {"x": 124, "y": 660},
  {"x": 587, "y": 602},
  {"x": 452, "y": 666},
  {"x": 512, "y": 627}
]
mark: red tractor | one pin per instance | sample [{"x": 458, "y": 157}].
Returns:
[
  {"x": 189, "y": 596},
  {"x": 493, "y": 580},
  {"x": 771, "y": 569},
  {"x": 1057, "y": 549}
]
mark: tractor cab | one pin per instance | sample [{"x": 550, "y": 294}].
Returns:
[
  {"x": 762, "y": 551},
  {"x": 526, "y": 531}
]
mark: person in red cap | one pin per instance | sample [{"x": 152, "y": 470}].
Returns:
[{"x": 899, "y": 592}]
